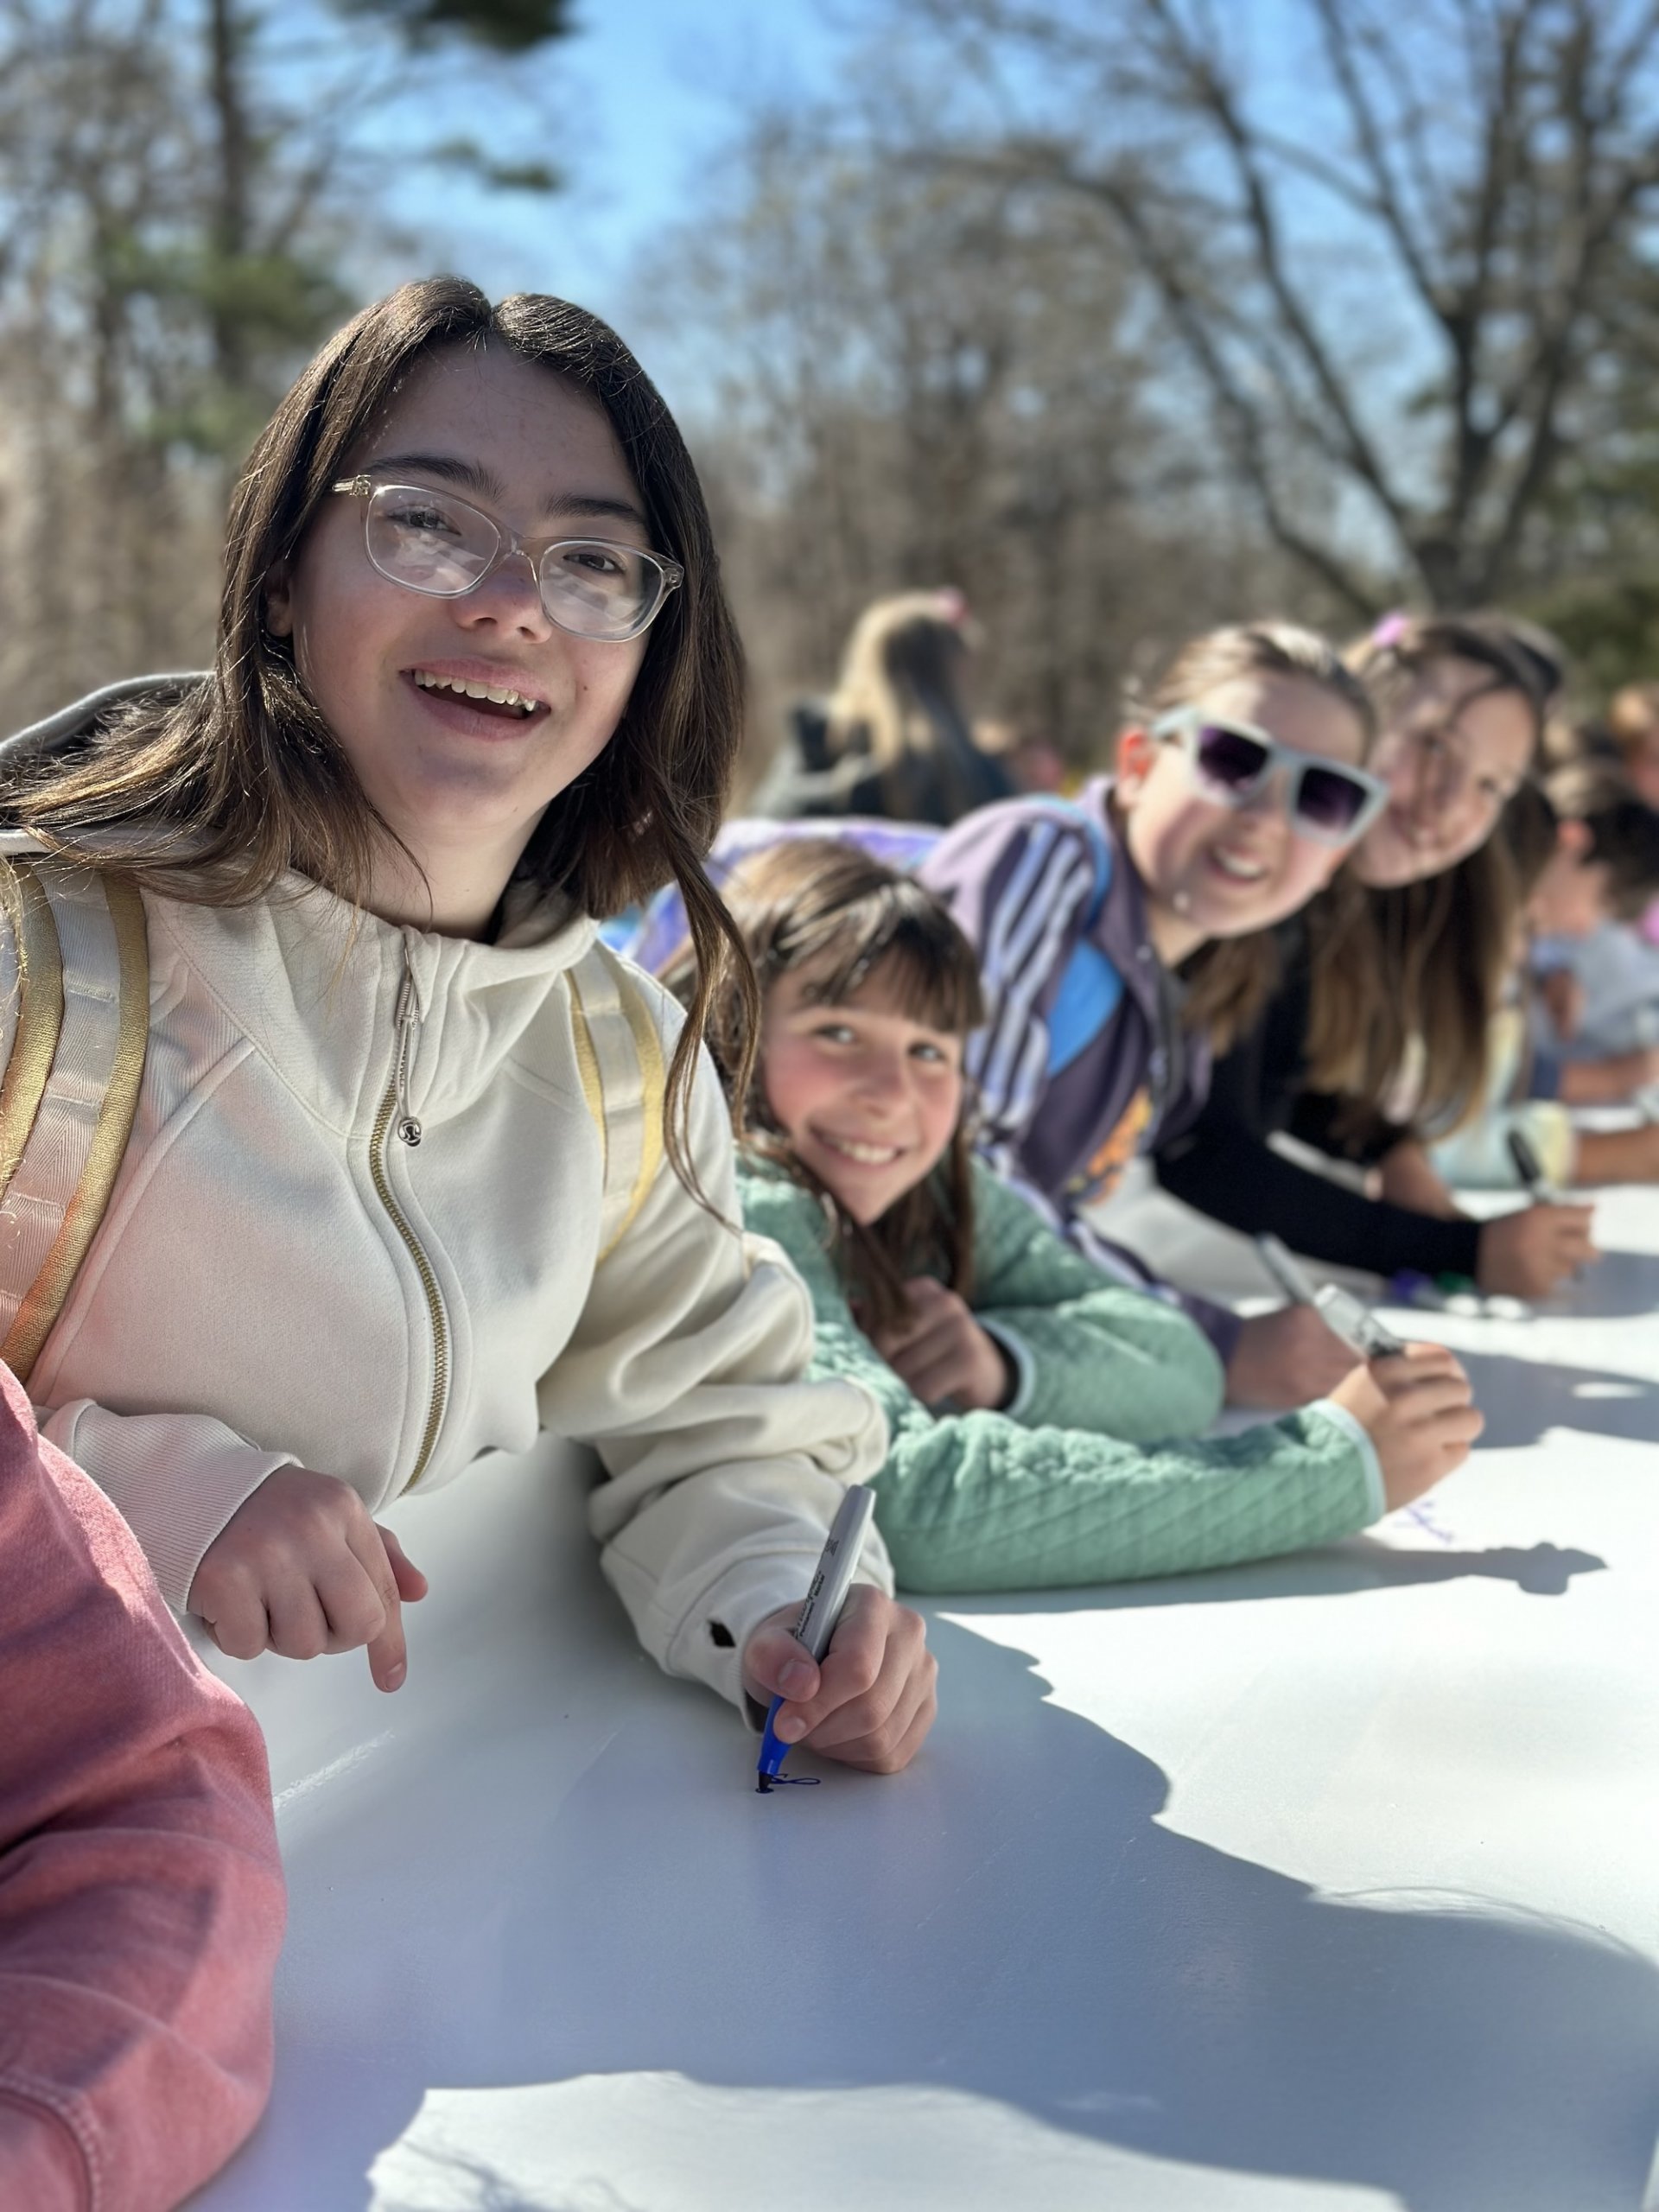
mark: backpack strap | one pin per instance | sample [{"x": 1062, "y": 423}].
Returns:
[
  {"x": 72, "y": 1082},
  {"x": 620, "y": 1055}
]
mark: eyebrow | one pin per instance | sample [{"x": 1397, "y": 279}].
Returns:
[{"x": 472, "y": 476}]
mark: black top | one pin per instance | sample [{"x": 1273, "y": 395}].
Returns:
[
  {"x": 816, "y": 784},
  {"x": 1224, "y": 1165}
]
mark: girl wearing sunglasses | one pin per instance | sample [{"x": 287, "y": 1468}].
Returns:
[
  {"x": 476, "y": 685},
  {"x": 1380, "y": 1027},
  {"x": 1122, "y": 938}
]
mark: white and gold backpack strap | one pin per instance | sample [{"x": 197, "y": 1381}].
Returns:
[
  {"x": 620, "y": 1054},
  {"x": 71, "y": 1085}
]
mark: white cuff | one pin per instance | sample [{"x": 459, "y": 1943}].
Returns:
[
  {"x": 751, "y": 1589},
  {"x": 1362, "y": 1437}
]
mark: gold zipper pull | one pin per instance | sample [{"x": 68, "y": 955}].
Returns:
[{"x": 409, "y": 1020}]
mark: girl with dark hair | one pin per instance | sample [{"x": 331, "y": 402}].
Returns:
[
  {"x": 1380, "y": 1029},
  {"x": 415, "y": 1168},
  {"x": 1042, "y": 1418}
]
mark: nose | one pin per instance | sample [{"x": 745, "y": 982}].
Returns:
[
  {"x": 884, "y": 1081},
  {"x": 1271, "y": 802},
  {"x": 509, "y": 598}
]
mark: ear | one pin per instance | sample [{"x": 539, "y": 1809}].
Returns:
[
  {"x": 1574, "y": 838},
  {"x": 279, "y": 599},
  {"x": 1136, "y": 752}
]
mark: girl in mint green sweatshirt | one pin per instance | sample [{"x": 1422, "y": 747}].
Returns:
[{"x": 1045, "y": 1421}]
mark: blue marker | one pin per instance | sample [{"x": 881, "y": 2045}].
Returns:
[{"x": 816, "y": 1624}]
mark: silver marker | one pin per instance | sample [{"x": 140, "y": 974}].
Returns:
[{"x": 1343, "y": 1314}]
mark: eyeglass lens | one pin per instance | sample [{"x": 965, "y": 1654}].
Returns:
[
  {"x": 1229, "y": 759},
  {"x": 1327, "y": 799},
  {"x": 432, "y": 542}
]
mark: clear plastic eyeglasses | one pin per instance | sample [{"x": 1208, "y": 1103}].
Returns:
[{"x": 431, "y": 541}]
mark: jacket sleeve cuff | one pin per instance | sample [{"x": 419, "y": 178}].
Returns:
[
  {"x": 176, "y": 1479},
  {"x": 1361, "y": 1437},
  {"x": 43, "y": 2161},
  {"x": 1022, "y": 1360},
  {"x": 734, "y": 1607}
]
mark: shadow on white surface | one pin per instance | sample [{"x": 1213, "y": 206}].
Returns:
[
  {"x": 1523, "y": 1401},
  {"x": 542, "y": 1867}
]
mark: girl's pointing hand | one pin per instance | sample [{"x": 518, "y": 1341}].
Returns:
[{"x": 302, "y": 1568}]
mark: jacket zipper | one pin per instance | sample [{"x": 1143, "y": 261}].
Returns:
[{"x": 395, "y": 1105}]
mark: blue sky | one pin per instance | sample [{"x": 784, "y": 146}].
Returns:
[{"x": 632, "y": 109}]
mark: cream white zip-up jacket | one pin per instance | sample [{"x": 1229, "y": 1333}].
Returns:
[{"x": 271, "y": 1286}]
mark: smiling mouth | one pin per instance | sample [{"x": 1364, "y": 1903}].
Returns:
[
  {"x": 495, "y": 699},
  {"x": 1237, "y": 870},
  {"x": 861, "y": 1156}
]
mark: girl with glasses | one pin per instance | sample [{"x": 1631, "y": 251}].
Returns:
[
  {"x": 1044, "y": 1420},
  {"x": 1380, "y": 1027},
  {"x": 390, "y": 1198},
  {"x": 1119, "y": 939}
]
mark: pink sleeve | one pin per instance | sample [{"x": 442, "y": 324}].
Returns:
[{"x": 141, "y": 1896}]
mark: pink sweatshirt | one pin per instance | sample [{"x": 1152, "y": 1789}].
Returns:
[{"x": 140, "y": 1897}]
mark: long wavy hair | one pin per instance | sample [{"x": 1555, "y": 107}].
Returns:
[
  {"x": 1229, "y": 980},
  {"x": 244, "y": 777},
  {"x": 1405, "y": 980},
  {"x": 822, "y": 909}
]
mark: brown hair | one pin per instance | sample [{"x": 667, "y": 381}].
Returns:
[
  {"x": 246, "y": 765},
  {"x": 1425, "y": 960},
  {"x": 1229, "y": 980},
  {"x": 1624, "y": 834},
  {"x": 823, "y": 908}
]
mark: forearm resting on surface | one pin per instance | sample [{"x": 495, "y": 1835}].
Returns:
[
  {"x": 141, "y": 1896},
  {"x": 1617, "y": 1155}
]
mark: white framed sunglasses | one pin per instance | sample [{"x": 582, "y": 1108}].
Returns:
[
  {"x": 1232, "y": 761},
  {"x": 434, "y": 543}
]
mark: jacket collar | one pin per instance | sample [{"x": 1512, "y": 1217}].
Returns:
[{"x": 1120, "y": 929}]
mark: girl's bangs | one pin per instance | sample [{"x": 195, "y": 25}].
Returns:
[{"x": 918, "y": 961}]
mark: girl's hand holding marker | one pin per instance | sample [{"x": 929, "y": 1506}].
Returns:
[
  {"x": 1413, "y": 1400},
  {"x": 849, "y": 1668}
]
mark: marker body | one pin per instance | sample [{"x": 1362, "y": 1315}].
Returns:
[
  {"x": 1286, "y": 1270},
  {"x": 1538, "y": 1186},
  {"x": 1352, "y": 1320}
]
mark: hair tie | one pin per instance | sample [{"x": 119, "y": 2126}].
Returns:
[{"x": 1389, "y": 631}]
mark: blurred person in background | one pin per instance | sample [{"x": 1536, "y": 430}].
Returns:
[
  {"x": 1031, "y": 758},
  {"x": 1632, "y": 726},
  {"x": 1600, "y": 992},
  {"x": 893, "y": 738},
  {"x": 1585, "y": 854}
]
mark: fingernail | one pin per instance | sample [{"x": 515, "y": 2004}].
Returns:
[
  {"x": 796, "y": 1679},
  {"x": 790, "y": 1730},
  {"x": 394, "y": 1675}
]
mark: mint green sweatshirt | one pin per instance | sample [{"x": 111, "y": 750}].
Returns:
[{"x": 1096, "y": 1471}]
